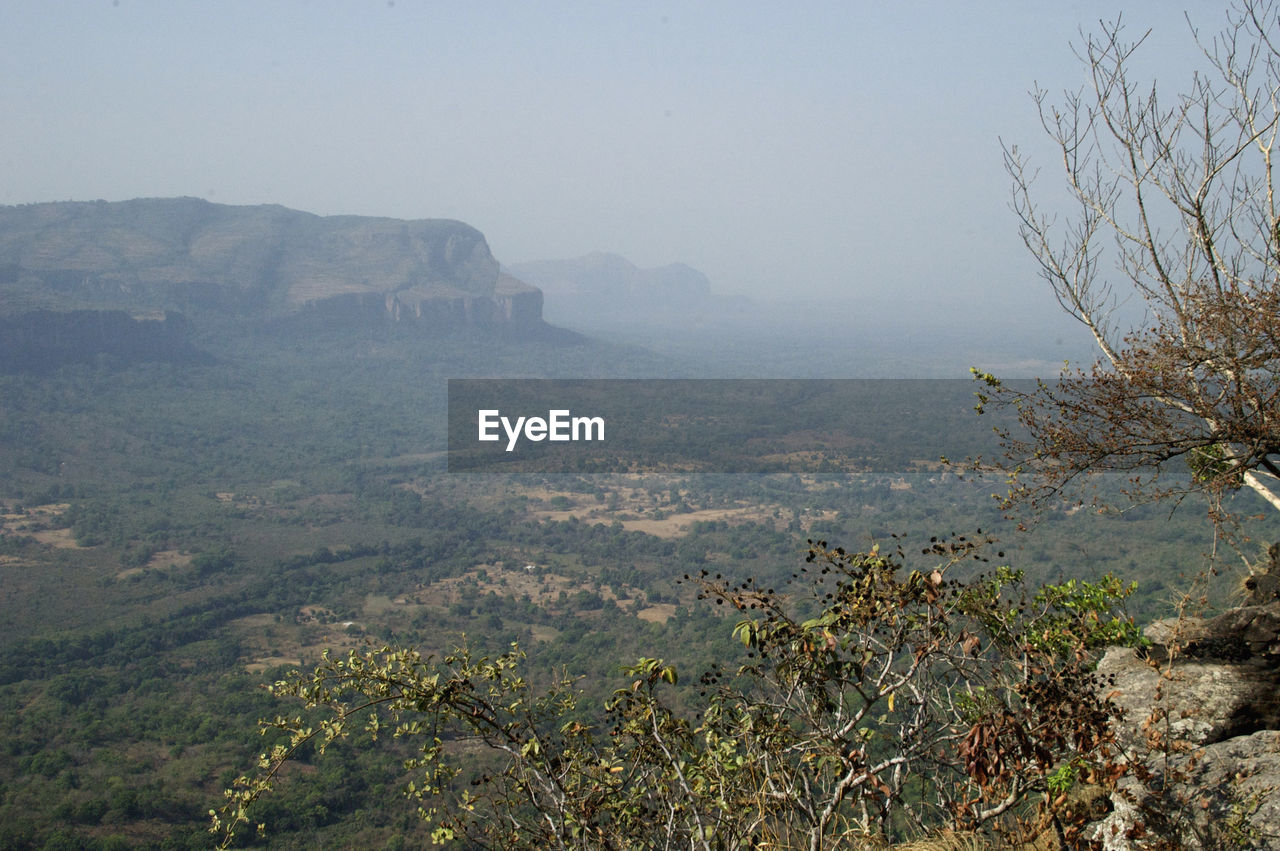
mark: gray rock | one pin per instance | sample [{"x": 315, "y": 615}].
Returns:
[
  {"x": 1205, "y": 701},
  {"x": 1223, "y": 795},
  {"x": 1264, "y": 587},
  {"x": 1201, "y": 731}
]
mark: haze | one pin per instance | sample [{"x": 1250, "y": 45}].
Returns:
[{"x": 837, "y": 151}]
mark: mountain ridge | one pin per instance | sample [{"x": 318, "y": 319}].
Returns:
[
  {"x": 611, "y": 275},
  {"x": 266, "y": 261}
]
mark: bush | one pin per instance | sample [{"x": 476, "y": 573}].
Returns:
[{"x": 874, "y": 702}]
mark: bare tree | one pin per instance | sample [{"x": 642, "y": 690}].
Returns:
[{"x": 1174, "y": 210}]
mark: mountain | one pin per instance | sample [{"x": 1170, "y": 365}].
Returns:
[
  {"x": 208, "y": 260},
  {"x": 600, "y": 289},
  {"x": 609, "y": 276}
]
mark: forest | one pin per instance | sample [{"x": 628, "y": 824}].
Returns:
[
  {"x": 176, "y": 536},
  {"x": 838, "y": 577}
]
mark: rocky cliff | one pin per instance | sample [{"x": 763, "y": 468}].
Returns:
[
  {"x": 1201, "y": 728},
  {"x": 264, "y": 262}
]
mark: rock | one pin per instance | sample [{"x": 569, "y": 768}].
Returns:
[
  {"x": 1248, "y": 634},
  {"x": 1208, "y": 701},
  {"x": 1201, "y": 731},
  {"x": 1223, "y": 795},
  {"x": 1264, "y": 587}
]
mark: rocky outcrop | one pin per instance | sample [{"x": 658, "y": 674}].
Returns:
[
  {"x": 511, "y": 304},
  {"x": 264, "y": 262},
  {"x": 518, "y": 302},
  {"x": 1223, "y": 795},
  {"x": 1221, "y": 674},
  {"x": 1201, "y": 729}
]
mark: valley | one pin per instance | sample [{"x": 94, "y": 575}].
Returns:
[{"x": 178, "y": 532}]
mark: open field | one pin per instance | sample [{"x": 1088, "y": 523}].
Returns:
[
  {"x": 163, "y": 560},
  {"x": 40, "y": 522}
]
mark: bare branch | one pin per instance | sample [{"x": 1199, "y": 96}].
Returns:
[{"x": 1174, "y": 206}]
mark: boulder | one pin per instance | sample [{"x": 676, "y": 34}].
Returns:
[
  {"x": 1200, "y": 728},
  {"x": 1223, "y": 795}
]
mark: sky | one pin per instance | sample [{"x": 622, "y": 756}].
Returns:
[{"x": 839, "y": 152}]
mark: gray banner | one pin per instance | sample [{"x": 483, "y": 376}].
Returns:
[{"x": 713, "y": 425}]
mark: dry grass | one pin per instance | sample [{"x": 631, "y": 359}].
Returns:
[
  {"x": 633, "y": 506},
  {"x": 269, "y": 643},
  {"x": 35, "y": 523},
  {"x": 263, "y": 663},
  {"x": 338, "y": 640},
  {"x": 678, "y": 525},
  {"x": 163, "y": 560},
  {"x": 59, "y": 538},
  {"x": 501, "y": 580},
  {"x": 659, "y": 613}
]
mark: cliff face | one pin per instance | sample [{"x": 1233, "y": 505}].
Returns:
[
  {"x": 264, "y": 262},
  {"x": 512, "y": 304},
  {"x": 1201, "y": 728}
]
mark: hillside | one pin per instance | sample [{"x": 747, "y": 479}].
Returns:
[
  {"x": 264, "y": 262},
  {"x": 179, "y": 527},
  {"x": 599, "y": 290},
  {"x": 603, "y": 275}
]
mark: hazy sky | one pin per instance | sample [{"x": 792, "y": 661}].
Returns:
[{"x": 834, "y": 149}]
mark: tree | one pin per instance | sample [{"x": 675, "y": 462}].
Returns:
[
  {"x": 1175, "y": 210},
  {"x": 874, "y": 702}
]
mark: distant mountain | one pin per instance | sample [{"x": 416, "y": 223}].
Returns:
[
  {"x": 601, "y": 289},
  {"x": 609, "y": 276},
  {"x": 189, "y": 255},
  {"x": 131, "y": 278}
]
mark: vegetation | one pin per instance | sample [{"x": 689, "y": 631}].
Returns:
[
  {"x": 900, "y": 701},
  {"x": 889, "y": 705},
  {"x": 1181, "y": 191},
  {"x": 177, "y": 532},
  {"x": 175, "y": 535}
]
